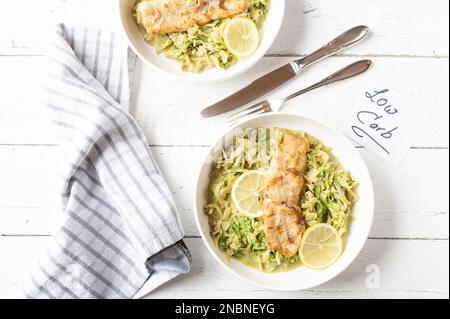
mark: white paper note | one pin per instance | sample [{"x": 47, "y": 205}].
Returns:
[{"x": 382, "y": 119}]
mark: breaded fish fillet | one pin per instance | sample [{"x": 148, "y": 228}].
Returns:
[
  {"x": 166, "y": 16},
  {"x": 283, "y": 220}
]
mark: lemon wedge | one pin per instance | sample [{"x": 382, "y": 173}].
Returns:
[
  {"x": 321, "y": 246},
  {"x": 241, "y": 37},
  {"x": 247, "y": 191}
]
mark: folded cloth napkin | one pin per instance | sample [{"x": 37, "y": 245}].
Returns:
[{"x": 120, "y": 228}]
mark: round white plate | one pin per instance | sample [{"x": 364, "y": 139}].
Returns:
[
  {"x": 301, "y": 277},
  {"x": 149, "y": 55}
]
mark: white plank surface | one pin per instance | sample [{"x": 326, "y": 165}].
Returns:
[
  {"x": 402, "y": 27},
  {"x": 407, "y": 207},
  {"x": 409, "y": 45},
  {"x": 166, "y": 108},
  {"x": 401, "y": 272}
]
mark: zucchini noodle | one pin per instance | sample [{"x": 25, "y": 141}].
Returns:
[
  {"x": 329, "y": 195},
  {"x": 203, "y": 47}
]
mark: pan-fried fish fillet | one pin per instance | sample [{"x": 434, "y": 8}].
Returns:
[
  {"x": 292, "y": 153},
  {"x": 283, "y": 220},
  {"x": 284, "y": 227},
  {"x": 284, "y": 188},
  {"x": 166, "y": 16}
]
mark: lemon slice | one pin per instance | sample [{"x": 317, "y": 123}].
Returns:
[
  {"x": 241, "y": 37},
  {"x": 321, "y": 246},
  {"x": 246, "y": 192}
]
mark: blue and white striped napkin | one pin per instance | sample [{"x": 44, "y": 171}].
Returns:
[{"x": 120, "y": 228}]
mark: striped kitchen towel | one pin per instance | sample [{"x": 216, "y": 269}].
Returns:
[{"x": 119, "y": 229}]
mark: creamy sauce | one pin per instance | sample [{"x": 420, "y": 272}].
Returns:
[{"x": 252, "y": 261}]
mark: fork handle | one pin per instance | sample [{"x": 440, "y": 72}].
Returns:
[{"x": 349, "y": 71}]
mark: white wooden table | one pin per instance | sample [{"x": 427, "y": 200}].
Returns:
[{"x": 409, "y": 242}]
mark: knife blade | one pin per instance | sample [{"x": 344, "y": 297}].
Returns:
[
  {"x": 253, "y": 91},
  {"x": 282, "y": 75}
]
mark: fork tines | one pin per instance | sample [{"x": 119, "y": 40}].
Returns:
[{"x": 258, "y": 108}]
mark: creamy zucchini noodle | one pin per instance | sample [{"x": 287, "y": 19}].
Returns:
[
  {"x": 328, "y": 195},
  {"x": 202, "y": 47}
]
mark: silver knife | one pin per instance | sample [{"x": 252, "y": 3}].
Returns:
[{"x": 275, "y": 79}]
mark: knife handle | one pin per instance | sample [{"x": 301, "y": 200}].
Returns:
[{"x": 342, "y": 42}]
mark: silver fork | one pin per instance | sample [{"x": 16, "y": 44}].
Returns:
[{"x": 273, "y": 105}]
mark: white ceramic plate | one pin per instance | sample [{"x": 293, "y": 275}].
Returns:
[
  {"x": 149, "y": 55},
  {"x": 301, "y": 277}
]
